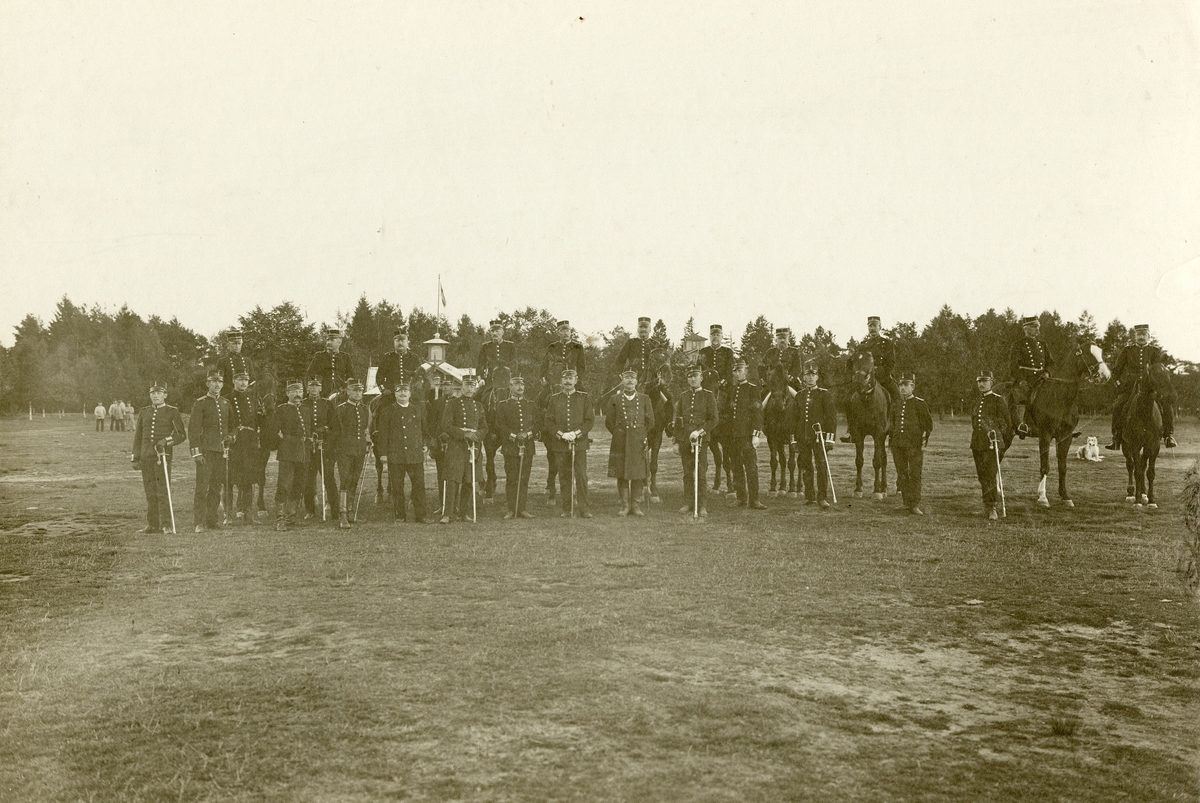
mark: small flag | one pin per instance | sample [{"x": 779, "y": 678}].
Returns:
[{"x": 441, "y": 293}]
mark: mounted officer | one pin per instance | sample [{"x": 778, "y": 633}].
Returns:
[
  {"x": 233, "y": 362},
  {"x": 332, "y": 366},
  {"x": 883, "y": 352},
  {"x": 718, "y": 357},
  {"x": 1134, "y": 361},
  {"x": 400, "y": 365},
  {"x": 566, "y": 351},
  {"x": 784, "y": 360},
  {"x": 496, "y": 353},
  {"x": 1030, "y": 363},
  {"x": 638, "y": 352}
]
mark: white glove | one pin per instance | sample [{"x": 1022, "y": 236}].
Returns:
[
  {"x": 755, "y": 440},
  {"x": 569, "y": 437},
  {"x": 695, "y": 436}
]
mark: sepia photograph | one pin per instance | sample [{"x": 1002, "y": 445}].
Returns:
[{"x": 600, "y": 401}]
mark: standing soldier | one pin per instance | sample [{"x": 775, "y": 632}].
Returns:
[
  {"x": 465, "y": 426},
  {"x": 517, "y": 421},
  {"x": 566, "y": 351},
  {"x": 400, "y": 437},
  {"x": 1030, "y": 363},
  {"x": 209, "y": 433},
  {"x": 883, "y": 354},
  {"x": 784, "y": 360},
  {"x": 695, "y": 419},
  {"x": 569, "y": 419},
  {"x": 332, "y": 366},
  {"x": 629, "y": 417},
  {"x": 243, "y": 454},
  {"x": 547, "y": 436},
  {"x": 159, "y": 428},
  {"x": 318, "y": 417},
  {"x": 813, "y": 407},
  {"x": 293, "y": 435},
  {"x": 909, "y": 426},
  {"x": 233, "y": 362},
  {"x": 718, "y": 357},
  {"x": 638, "y": 352},
  {"x": 991, "y": 435},
  {"x": 400, "y": 365},
  {"x": 745, "y": 420},
  {"x": 495, "y": 353},
  {"x": 350, "y": 442},
  {"x": 1134, "y": 361}
]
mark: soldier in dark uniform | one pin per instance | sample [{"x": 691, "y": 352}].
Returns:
[
  {"x": 569, "y": 419},
  {"x": 745, "y": 420},
  {"x": 465, "y": 426},
  {"x": 350, "y": 441},
  {"x": 209, "y": 433},
  {"x": 332, "y": 365},
  {"x": 718, "y": 357},
  {"x": 813, "y": 407},
  {"x": 883, "y": 353},
  {"x": 400, "y": 365},
  {"x": 518, "y": 420},
  {"x": 243, "y": 454},
  {"x": 629, "y": 416},
  {"x": 783, "y": 360},
  {"x": 293, "y": 436},
  {"x": 495, "y": 353},
  {"x": 159, "y": 428},
  {"x": 318, "y": 418},
  {"x": 989, "y": 416},
  {"x": 638, "y": 352},
  {"x": 566, "y": 351},
  {"x": 1134, "y": 361},
  {"x": 909, "y": 427},
  {"x": 401, "y": 437},
  {"x": 1030, "y": 363},
  {"x": 696, "y": 417},
  {"x": 233, "y": 362}
]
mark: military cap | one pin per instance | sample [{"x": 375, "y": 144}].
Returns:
[
  {"x": 1141, "y": 327},
  {"x": 314, "y": 380},
  {"x": 782, "y": 331},
  {"x": 516, "y": 377},
  {"x": 233, "y": 334},
  {"x": 469, "y": 377},
  {"x": 400, "y": 332},
  {"x": 156, "y": 385},
  {"x": 1029, "y": 319},
  {"x": 333, "y": 333},
  {"x": 561, "y": 324},
  {"x": 401, "y": 382},
  {"x": 715, "y": 329},
  {"x": 569, "y": 372},
  {"x": 985, "y": 374},
  {"x": 629, "y": 372},
  {"x": 354, "y": 384},
  {"x": 739, "y": 363},
  {"x": 495, "y": 325},
  {"x": 241, "y": 375},
  {"x": 214, "y": 373},
  {"x": 872, "y": 319},
  {"x": 695, "y": 368},
  {"x": 810, "y": 367},
  {"x": 295, "y": 384},
  {"x": 644, "y": 319},
  {"x": 907, "y": 376}
]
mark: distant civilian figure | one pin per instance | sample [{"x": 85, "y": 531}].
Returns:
[{"x": 99, "y": 413}]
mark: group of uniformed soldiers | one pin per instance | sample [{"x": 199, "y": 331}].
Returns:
[{"x": 321, "y": 439}]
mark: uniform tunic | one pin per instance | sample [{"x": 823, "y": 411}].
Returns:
[
  {"x": 719, "y": 359},
  {"x": 350, "y": 440},
  {"x": 230, "y": 365},
  {"x": 568, "y": 412},
  {"x": 812, "y": 407},
  {"x": 207, "y": 429},
  {"x": 788, "y": 360},
  {"x": 637, "y": 354},
  {"x": 400, "y": 435},
  {"x": 629, "y": 419},
  {"x": 293, "y": 438},
  {"x": 989, "y": 413},
  {"x": 493, "y": 355},
  {"x": 462, "y": 413},
  {"x": 515, "y": 418},
  {"x": 156, "y": 424},
  {"x": 334, "y": 368},
  {"x": 694, "y": 410},
  {"x": 400, "y": 366},
  {"x": 318, "y": 420},
  {"x": 909, "y": 427},
  {"x": 1133, "y": 362},
  {"x": 568, "y": 354},
  {"x": 745, "y": 418},
  {"x": 243, "y": 455}
]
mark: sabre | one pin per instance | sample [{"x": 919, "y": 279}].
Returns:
[
  {"x": 995, "y": 441},
  {"x": 696, "y": 477},
  {"x": 825, "y": 454},
  {"x": 324, "y": 496},
  {"x": 162, "y": 456},
  {"x": 520, "y": 474},
  {"x": 474, "y": 516},
  {"x": 572, "y": 475},
  {"x": 358, "y": 493},
  {"x": 228, "y": 487}
]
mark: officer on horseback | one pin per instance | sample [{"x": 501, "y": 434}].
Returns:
[
  {"x": 1134, "y": 361},
  {"x": 1030, "y": 363},
  {"x": 566, "y": 351},
  {"x": 638, "y": 352},
  {"x": 400, "y": 365},
  {"x": 883, "y": 352},
  {"x": 333, "y": 366},
  {"x": 784, "y": 360},
  {"x": 496, "y": 353},
  {"x": 717, "y": 356}
]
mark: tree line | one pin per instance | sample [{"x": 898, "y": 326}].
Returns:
[{"x": 86, "y": 355}]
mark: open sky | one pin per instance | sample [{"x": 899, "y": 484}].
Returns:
[{"x": 815, "y": 162}]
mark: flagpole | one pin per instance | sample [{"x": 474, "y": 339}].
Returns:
[{"x": 437, "y": 321}]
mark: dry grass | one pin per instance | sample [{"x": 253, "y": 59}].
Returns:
[{"x": 858, "y": 654}]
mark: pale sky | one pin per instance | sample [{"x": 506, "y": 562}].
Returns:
[{"x": 813, "y": 162}]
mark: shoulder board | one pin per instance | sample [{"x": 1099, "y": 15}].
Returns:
[
  {"x": 994, "y": 393},
  {"x": 202, "y": 398},
  {"x": 823, "y": 390},
  {"x": 148, "y": 407},
  {"x": 170, "y": 407},
  {"x": 917, "y": 398}
]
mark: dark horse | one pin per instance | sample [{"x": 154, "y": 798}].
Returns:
[
  {"x": 1054, "y": 413},
  {"x": 494, "y": 391},
  {"x": 777, "y": 428},
  {"x": 662, "y": 403},
  {"x": 1141, "y": 434},
  {"x": 716, "y": 444},
  {"x": 867, "y": 409}
]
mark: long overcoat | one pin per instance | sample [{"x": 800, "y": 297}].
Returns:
[{"x": 630, "y": 421}]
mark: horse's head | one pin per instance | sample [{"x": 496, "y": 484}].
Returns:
[
  {"x": 710, "y": 380},
  {"x": 862, "y": 366}
]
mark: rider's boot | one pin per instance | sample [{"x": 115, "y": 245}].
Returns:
[{"x": 1022, "y": 427}]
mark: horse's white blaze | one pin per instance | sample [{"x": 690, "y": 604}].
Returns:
[{"x": 1102, "y": 367}]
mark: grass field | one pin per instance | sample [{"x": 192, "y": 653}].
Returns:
[{"x": 858, "y": 654}]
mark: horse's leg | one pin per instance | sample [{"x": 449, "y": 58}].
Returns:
[
  {"x": 773, "y": 448},
  {"x": 378, "y": 478},
  {"x": 1139, "y": 477},
  {"x": 793, "y": 488},
  {"x": 1130, "y": 488},
  {"x": 880, "y": 465},
  {"x": 859, "y": 444},
  {"x": 1043, "y": 467},
  {"x": 1151, "y": 457},
  {"x": 652, "y": 487},
  {"x": 1062, "y": 449}
]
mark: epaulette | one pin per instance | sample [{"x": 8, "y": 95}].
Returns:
[{"x": 917, "y": 398}]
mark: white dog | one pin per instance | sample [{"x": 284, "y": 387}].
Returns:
[{"x": 1090, "y": 450}]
